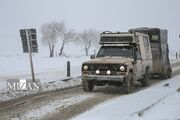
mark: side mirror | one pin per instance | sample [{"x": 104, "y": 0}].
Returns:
[{"x": 92, "y": 57}]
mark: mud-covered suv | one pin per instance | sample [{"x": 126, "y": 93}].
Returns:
[{"x": 124, "y": 59}]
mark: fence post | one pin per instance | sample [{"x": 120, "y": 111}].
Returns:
[{"x": 68, "y": 69}]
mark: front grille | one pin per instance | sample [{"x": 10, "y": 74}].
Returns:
[
  {"x": 104, "y": 67},
  {"x": 114, "y": 68}
]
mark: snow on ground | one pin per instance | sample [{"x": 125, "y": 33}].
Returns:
[
  {"x": 172, "y": 61},
  {"x": 159, "y": 102},
  {"x": 50, "y": 71},
  {"x": 52, "y": 107},
  {"x": 168, "y": 108},
  {"x": 6, "y": 94},
  {"x": 18, "y": 64}
]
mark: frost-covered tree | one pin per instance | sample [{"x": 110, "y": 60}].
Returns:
[
  {"x": 64, "y": 36},
  {"x": 56, "y": 31},
  {"x": 67, "y": 36},
  {"x": 49, "y": 37},
  {"x": 89, "y": 38}
]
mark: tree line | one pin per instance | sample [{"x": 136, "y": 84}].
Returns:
[{"x": 53, "y": 32}]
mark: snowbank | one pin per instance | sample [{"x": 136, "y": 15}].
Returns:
[
  {"x": 155, "y": 103},
  {"x": 50, "y": 71}
]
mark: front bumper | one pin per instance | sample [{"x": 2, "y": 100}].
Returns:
[{"x": 119, "y": 78}]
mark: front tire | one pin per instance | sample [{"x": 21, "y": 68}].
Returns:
[
  {"x": 129, "y": 85},
  {"x": 87, "y": 86}
]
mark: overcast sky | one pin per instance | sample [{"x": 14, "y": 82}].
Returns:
[{"x": 114, "y": 15}]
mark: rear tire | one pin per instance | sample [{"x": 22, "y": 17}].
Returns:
[
  {"x": 169, "y": 73},
  {"x": 87, "y": 86},
  {"x": 145, "y": 80},
  {"x": 129, "y": 85}
]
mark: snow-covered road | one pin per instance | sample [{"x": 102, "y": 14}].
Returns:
[
  {"x": 140, "y": 103},
  {"x": 159, "y": 102},
  {"x": 53, "y": 107},
  {"x": 66, "y": 103}
]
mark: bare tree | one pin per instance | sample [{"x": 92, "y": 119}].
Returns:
[
  {"x": 67, "y": 36},
  {"x": 54, "y": 31},
  {"x": 49, "y": 37},
  {"x": 89, "y": 38},
  {"x": 59, "y": 29}
]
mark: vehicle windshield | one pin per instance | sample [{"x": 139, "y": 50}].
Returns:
[{"x": 119, "y": 51}]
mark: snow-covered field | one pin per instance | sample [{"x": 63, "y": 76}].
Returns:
[
  {"x": 159, "y": 102},
  {"x": 50, "y": 71},
  {"x": 18, "y": 64}
]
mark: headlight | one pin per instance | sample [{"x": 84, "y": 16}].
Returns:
[
  {"x": 85, "y": 67},
  {"x": 108, "y": 72},
  {"x": 97, "y": 71},
  {"x": 122, "y": 68}
]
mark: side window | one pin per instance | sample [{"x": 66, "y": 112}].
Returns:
[
  {"x": 155, "y": 37},
  {"x": 146, "y": 43}
]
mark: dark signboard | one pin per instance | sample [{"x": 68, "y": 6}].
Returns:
[{"x": 32, "y": 39}]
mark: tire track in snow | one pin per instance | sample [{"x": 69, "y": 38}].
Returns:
[{"x": 53, "y": 107}]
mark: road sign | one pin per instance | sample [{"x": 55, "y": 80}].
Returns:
[
  {"x": 29, "y": 42},
  {"x": 32, "y": 38}
]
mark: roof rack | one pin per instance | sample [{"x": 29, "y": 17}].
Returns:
[
  {"x": 118, "y": 32},
  {"x": 105, "y": 32}
]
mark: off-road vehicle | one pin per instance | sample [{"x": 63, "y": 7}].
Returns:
[{"x": 123, "y": 60}]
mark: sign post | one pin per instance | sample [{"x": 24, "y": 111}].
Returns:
[
  {"x": 30, "y": 54},
  {"x": 29, "y": 44}
]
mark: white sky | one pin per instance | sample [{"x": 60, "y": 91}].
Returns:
[{"x": 115, "y": 15}]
